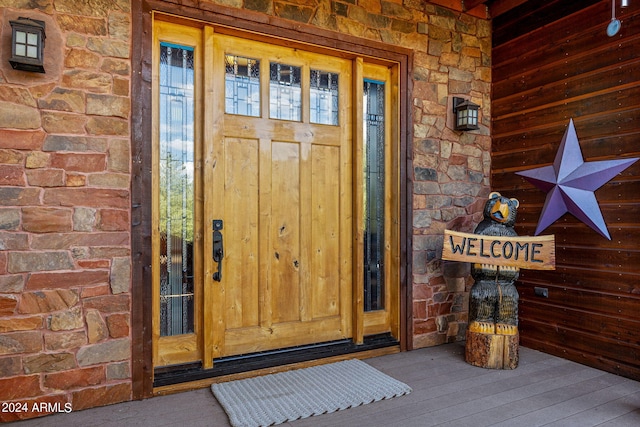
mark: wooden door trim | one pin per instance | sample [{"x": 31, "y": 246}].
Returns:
[{"x": 141, "y": 162}]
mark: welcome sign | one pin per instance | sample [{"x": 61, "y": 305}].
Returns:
[{"x": 533, "y": 253}]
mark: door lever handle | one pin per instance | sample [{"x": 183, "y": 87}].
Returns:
[{"x": 218, "y": 248}]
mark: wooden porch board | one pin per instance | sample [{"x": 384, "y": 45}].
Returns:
[{"x": 447, "y": 391}]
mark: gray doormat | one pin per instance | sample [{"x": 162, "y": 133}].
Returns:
[{"x": 287, "y": 396}]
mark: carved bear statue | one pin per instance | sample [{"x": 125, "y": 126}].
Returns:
[{"x": 493, "y": 303}]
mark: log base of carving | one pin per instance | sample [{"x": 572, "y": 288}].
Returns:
[{"x": 492, "y": 351}]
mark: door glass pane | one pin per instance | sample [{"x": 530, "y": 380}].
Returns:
[
  {"x": 285, "y": 94},
  {"x": 242, "y": 86},
  {"x": 176, "y": 189},
  {"x": 324, "y": 97},
  {"x": 374, "y": 148}
]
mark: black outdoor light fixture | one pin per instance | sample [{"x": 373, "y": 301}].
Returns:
[
  {"x": 466, "y": 114},
  {"x": 27, "y": 45}
]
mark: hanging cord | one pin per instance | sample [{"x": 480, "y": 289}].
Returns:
[{"x": 613, "y": 10}]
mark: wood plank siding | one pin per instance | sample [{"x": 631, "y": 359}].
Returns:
[{"x": 553, "y": 61}]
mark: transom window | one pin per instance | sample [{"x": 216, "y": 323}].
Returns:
[
  {"x": 242, "y": 86},
  {"x": 242, "y": 91},
  {"x": 324, "y": 97},
  {"x": 285, "y": 92}
]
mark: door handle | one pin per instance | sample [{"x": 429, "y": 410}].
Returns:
[{"x": 218, "y": 248}]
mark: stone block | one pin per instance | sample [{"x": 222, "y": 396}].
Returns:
[
  {"x": 12, "y": 175},
  {"x": 429, "y": 340},
  {"x": 422, "y": 218},
  {"x": 120, "y": 275},
  {"x": 55, "y": 341},
  {"x": 10, "y": 366},
  {"x": 75, "y": 378},
  {"x": 425, "y": 174},
  {"x": 54, "y": 121},
  {"x": 81, "y": 58},
  {"x": 47, "y": 301},
  {"x": 108, "y": 105},
  {"x": 76, "y": 23},
  {"x": 108, "y": 303},
  {"x": 54, "y": 280},
  {"x": 84, "y": 219},
  {"x": 11, "y": 157},
  {"x": 21, "y": 262},
  {"x": 79, "y": 162},
  {"x": 97, "y": 125},
  {"x": 16, "y": 116},
  {"x": 119, "y": 156},
  {"x": 96, "y": 327},
  {"x": 14, "y": 324},
  {"x": 99, "y": 290},
  {"x": 37, "y": 159},
  {"x": 109, "y": 47},
  {"x": 93, "y": 264},
  {"x": 60, "y": 99},
  {"x": 21, "y": 139},
  {"x": 87, "y": 80},
  {"x": 66, "y": 320},
  {"x": 9, "y": 219},
  {"x": 120, "y": 86},
  {"x": 114, "y": 220},
  {"x": 118, "y": 371},
  {"x": 47, "y": 220},
  {"x": 116, "y": 66},
  {"x": 45, "y": 177},
  {"x": 90, "y": 197},
  {"x": 101, "y": 396},
  {"x": 75, "y": 143},
  {"x": 111, "y": 180},
  {"x": 15, "y": 388},
  {"x": 104, "y": 352},
  {"x": 16, "y": 196},
  {"x": 8, "y": 305},
  {"x": 11, "y": 283},
  {"x": 20, "y": 342},
  {"x": 52, "y": 241},
  {"x": 119, "y": 325},
  {"x": 293, "y": 12},
  {"x": 75, "y": 180},
  {"x": 48, "y": 362}
]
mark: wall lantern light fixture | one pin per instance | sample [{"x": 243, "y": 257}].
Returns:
[
  {"x": 466, "y": 114},
  {"x": 27, "y": 45}
]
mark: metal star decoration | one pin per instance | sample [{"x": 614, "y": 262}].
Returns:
[{"x": 570, "y": 184}]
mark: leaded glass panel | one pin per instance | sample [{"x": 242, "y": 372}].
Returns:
[
  {"x": 176, "y": 189},
  {"x": 285, "y": 92},
  {"x": 242, "y": 86},
  {"x": 374, "y": 179},
  {"x": 324, "y": 97}
]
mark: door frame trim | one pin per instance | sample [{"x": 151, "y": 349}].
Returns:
[{"x": 141, "y": 162}]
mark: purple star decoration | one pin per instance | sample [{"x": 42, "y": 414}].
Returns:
[{"x": 570, "y": 184}]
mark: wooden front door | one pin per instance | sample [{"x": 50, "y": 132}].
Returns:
[
  {"x": 275, "y": 196},
  {"x": 278, "y": 175}
]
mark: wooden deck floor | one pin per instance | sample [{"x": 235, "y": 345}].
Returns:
[{"x": 543, "y": 391}]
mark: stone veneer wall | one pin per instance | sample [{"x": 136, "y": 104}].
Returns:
[
  {"x": 65, "y": 263},
  {"x": 65, "y": 178}
]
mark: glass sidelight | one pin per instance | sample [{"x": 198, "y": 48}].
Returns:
[
  {"x": 374, "y": 194},
  {"x": 176, "y": 175}
]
